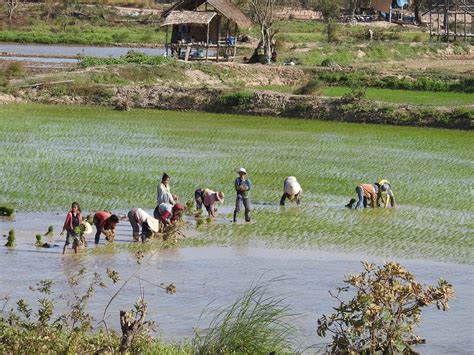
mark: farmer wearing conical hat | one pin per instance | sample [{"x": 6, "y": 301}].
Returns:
[
  {"x": 242, "y": 186},
  {"x": 208, "y": 198},
  {"x": 138, "y": 217},
  {"x": 385, "y": 193},
  {"x": 291, "y": 191}
]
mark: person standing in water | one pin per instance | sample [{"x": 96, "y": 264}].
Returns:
[
  {"x": 242, "y": 187},
  {"x": 71, "y": 224}
]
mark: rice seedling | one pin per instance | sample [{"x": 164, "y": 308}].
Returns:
[
  {"x": 256, "y": 323},
  {"x": 11, "y": 239}
]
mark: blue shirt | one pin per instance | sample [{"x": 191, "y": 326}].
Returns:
[{"x": 239, "y": 182}]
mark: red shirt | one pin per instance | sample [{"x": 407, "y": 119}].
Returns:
[{"x": 101, "y": 220}]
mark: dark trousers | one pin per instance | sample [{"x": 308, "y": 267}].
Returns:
[
  {"x": 238, "y": 205},
  {"x": 285, "y": 196},
  {"x": 362, "y": 199},
  {"x": 199, "y": 198}
]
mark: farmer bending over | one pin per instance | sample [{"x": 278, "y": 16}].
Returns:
[
  {"x": 167, "y": 213},
  {"x": 138, "y": 217},
  {"x": 364, "y": 192},
  {"x": 208, "y": 198},
  {"x": 105, "y": 223},
  {"x": 291, "y": 191},
  {"x": 242, "y": 186},
  {"x": 385, "y": 193}
]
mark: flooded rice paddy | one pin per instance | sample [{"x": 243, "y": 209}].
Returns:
[
  {"x": 52, "y": 155},
  {"x": 219, "y": 275}
]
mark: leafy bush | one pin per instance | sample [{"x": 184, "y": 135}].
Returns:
[
  {"x": 237, "y": 99},
  {"x": 14, "y": 69},
  {"x": 6, "y": 211},
  {"x": 312, "y": 87},
  {"x": 384, "y": 311}
]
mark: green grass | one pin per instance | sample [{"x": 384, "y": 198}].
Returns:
[
  {"x": 409, "y": 97},
  {"x": 104, "y": 159}
]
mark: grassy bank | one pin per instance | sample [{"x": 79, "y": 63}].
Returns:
[{"x": 113, "y": 160}]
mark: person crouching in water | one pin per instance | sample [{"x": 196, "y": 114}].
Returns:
[
  {"x": 291, "y": 191},
  {"x": 168, "y": 213},
  {"x": 105, "y": 223},
  {"x": 71, "y": 225},
  {"x": 208, "y": 198},
  {"x": 364, "y": 192},
  {"x": 385, "y": 193},
  {"x": 242, "y": 186},
  {"x": 138, "y": 217}
]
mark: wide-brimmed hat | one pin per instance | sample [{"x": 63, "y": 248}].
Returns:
[
  {"x": 292, "y": 188},
  {"x": 88, "y": 229},
  {"x": 242, "y": 170},
  {"x": 220, "y": 196},
  {"x": 153, "y": 223}
]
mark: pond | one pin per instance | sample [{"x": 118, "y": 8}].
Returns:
[
  {"x": 219, "y": 275},
  {"x": 65, "y": 51}
]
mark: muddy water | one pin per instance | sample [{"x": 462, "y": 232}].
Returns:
[{"x": 221, "y": 274}]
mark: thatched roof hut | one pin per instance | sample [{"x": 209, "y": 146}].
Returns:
[{"x": 201, "y": 25}]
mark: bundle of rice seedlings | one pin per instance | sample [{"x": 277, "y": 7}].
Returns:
[
  {"x": 49, "y": 232},
  {"x": 11, "y": 239},
  {"x": 6, "y": 211},
  {"x": 39, "y": 241}
]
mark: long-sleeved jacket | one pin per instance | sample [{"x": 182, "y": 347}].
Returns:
[
  {"x": 246, "y": 184},
  {"x": 163, "y": 195}
]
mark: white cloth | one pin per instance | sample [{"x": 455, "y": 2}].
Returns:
[{"x": 141, "y": 216}]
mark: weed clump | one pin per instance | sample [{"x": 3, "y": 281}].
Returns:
[
  {"x": 7, "y": 211},
  {"x": 312, "y": 87},
  {"x": 254, "y": 324},
  {"x": 237, "y": 99},
  {"x": 11, "y": 239}
]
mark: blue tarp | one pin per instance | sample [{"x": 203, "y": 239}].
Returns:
[{"x": 402, "y": 3}]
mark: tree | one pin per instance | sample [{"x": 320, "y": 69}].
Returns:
[
  {"x": 384, "y": 311},
  {"x": 263, "y": 14},
  {"x": 11, "y": 6}
]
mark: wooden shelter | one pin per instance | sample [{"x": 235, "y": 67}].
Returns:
[
  {"x": 203, "y": 29},
  {"x": 451, "y": 19}
]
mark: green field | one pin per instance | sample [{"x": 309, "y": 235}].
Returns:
[{"x": 52, "y": 155}]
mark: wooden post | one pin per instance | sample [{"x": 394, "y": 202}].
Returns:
[
  {"x": 455, "y": 25},
  {"x": 218, "y": 36},
  {"x": 446, "y": 20},
  {"x": 431, "y": 25},
  {"x": 188, "y": 51},
  {"x": 438, "y": 25},
  {"x": 207, "y": 42},
  {"x": 166, "y": 43},
  {"x": 465, "y": 26}
]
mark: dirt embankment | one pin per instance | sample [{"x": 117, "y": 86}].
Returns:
[{"x": 258, "y": 103}]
